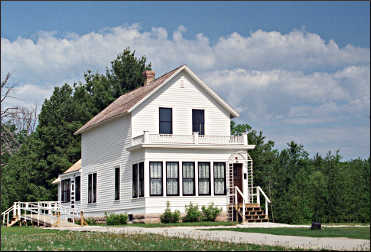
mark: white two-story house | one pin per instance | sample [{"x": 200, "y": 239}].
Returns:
[{"x": 168, "y": 140}]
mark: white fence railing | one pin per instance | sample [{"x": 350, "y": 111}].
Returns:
[
  {"x": 147, "y": 138},
  {"x": 41, "y": 211}
]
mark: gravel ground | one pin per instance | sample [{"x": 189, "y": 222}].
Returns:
[{"x": 237, "y": 237}]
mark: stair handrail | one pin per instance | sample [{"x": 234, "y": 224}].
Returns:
[
  {"x": 237, "y": 190},
  {"x": 6, "y": 213},
  {"x": 267, "y": 200}
]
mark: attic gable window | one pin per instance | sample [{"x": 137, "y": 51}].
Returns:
[{"x": 166, "y": 121}]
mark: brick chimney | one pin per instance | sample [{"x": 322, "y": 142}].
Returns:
[{"x": 148, "y": 77}]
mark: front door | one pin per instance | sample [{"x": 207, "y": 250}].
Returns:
[{"x": 237, "y": 179}]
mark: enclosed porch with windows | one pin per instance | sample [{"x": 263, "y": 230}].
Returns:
[{"x": 198, "y": 176}]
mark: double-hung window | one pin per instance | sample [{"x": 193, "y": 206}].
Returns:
[
  {"x": 198, "y": 121},
  {"x": 141, "y": 179},
  {"x": 77, "y": 187},
  {"x": 219, "y": 178},
  {"x": 155, "y": 177},
  {"x": 166, "y": 121},
  {"x": 65, "y": 190},
  {"x": 92, "y": 188},
  {"x": 203, "y": 178},
  {"x": 117, "y": 183},
  {"x": 172, "y": 178},
  {"x": 135, "y": 180},
  {"x": 188, "y": 178}
]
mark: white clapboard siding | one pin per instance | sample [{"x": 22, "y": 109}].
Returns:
[
  {"x": 182, "y": 100},
  {"x": 103, "y": 149}
]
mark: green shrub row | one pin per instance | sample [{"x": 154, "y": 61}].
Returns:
[
  {"x": 192, "y": 214},
  {"x": 116, "y": 219}
]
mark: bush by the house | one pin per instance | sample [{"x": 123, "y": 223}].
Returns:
[
  {"x": 168, "y": 216},
  {"x": 210, "y": 213},
  {"x": 192, "y": 213},
  {"x": 116, "y": 219}
]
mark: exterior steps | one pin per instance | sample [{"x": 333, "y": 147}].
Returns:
[{"x": 253, "y": 213}]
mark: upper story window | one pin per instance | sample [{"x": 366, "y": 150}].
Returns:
[
  {"x": 198, "y": 121},
  {"x": 166, "y": 121}
]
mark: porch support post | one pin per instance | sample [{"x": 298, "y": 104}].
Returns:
[{"x": 245, "y": 141}]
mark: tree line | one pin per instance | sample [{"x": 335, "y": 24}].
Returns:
[{"x": 301, "y": 188}]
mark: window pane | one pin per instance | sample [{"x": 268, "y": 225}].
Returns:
[
  {"x": 165, "y": 114},
  {"x": 204, "y": 170},
  {"x": 89, "y": 187},
  {"x": 172, "y": 170},
  {"x": 78, "y": 187},
  {"x": 203, "y": 178},
  {"x": 155, "y": 169},
  {"x": 204, "y": 187},
  {"x": 94, "y": 187},
  {"x": 219, "y": 178},
  {"x": 219, "y": 187},
  {"x": 198, "y": 121},
  {"x": 165, "y": 121},
  {"x": 135, "y": 180},
  {"x": 117, "y": 183},
  {"x": 141, "y": 179}
]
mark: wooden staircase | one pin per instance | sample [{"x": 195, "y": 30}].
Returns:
[{"x": 254, "y": 213}]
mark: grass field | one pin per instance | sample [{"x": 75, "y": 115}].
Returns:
[
  {"x": 349, "y": 232},
  {"x": 31, "y": 238}
]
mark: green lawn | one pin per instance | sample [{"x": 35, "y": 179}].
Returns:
[
  {"x": 32, "y": 238},
  {"x": 349, "y": 232}
]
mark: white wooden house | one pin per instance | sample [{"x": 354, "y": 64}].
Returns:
[{"x": 168, "y": 140}]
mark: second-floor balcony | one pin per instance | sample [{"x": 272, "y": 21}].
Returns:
[{"x": 190, "y": 141}]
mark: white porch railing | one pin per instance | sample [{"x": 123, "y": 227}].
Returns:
[
  {"x": 256, "y": 197},
  {"x": 147, "y": 138},
  {"x": 42, "y": 211},
  {"x": 236, "y": 192}
]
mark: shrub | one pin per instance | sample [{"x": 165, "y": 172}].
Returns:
[
  {"x": 90, "y": 221},
  {"x": 168, "y": 216},
  {"x": 210, "y": 213},
  {"x": 116, "y": 219},
  {"x": 193, "y": 214}
]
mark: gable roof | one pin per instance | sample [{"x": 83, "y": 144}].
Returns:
[{"x": 126, "y": 103}]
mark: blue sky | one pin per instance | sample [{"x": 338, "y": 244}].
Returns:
[{"x": 296, "y": 71}]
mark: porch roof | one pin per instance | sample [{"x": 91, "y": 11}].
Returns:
[{"x": 75, "y": 167}]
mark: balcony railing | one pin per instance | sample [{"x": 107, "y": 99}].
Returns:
[{"x": 147, "y": 138}]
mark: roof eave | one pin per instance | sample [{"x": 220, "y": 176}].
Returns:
[{"x": 80, "y": 131}]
